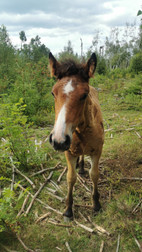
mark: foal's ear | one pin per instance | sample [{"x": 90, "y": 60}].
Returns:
[
  {"x": 91, "y": 65},
  {"x": 53, "y": 63}
]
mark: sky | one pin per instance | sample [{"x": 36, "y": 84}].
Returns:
[{"x": 58, "y": 21}]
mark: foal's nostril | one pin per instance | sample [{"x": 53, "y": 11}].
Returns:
[
  {"x": 61, "y": 146},
  {"x": 50, "y": 139}
]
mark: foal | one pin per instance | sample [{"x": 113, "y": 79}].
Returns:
[{"x": 78, "y": 128}]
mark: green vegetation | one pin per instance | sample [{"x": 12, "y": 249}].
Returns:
[{"x": 26, "y": 118}]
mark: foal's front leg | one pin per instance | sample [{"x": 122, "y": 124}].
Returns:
[
  {"x": 71, "y": 179},
  {"x": 94, "y": 175}
]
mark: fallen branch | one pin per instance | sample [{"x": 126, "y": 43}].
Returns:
[
  {"x": 139, "y": 136},
  {"x": 84, "y": 227},
  {"x": 44, "y": 216},
  {"x": 40, "y": 201},
  {"x": 83, "y": 181},
  {"x": 67, "y": 246},
  {"x": 87, "y": 189},
  {"x": 98, "y": 228},
  {"x": 43, "y": 175},
  {"x": 39, "y": 190},
  {"x": 132, "y": 178},
  {"x": 138, "y": 244},
  {"x": 7, "y": 249},
  {"x": 59, "y": 224},
  {"x": 118, "y": 243},
  {"x": 23, "y": 206},
  {"x": 49, "y": 207},
  {"x": 86, "y": 206},
  {"x": 102, "y": 246},
  {"x": 13, "y": 173},
  {"x": 83, "y": 217},
  {"x": 23, "y": 175},
  {"x": 56, "y": 196},
  {"x": 46, "y": 169},
  {"x": 23, "y": 244},
  {"x": 56, "y": 186},
  {"x": 134, "y": 210},
  {"x": 51, "y": 190},
  {"x": 61, "y": 175}
]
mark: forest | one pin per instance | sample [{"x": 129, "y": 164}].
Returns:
[{"x": 33, "y": 176}]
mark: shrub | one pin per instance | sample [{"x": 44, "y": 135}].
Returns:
[{"x": 136, "y": 63}]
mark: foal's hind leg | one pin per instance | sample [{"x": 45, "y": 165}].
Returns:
[
  {"x": 71, "y": 179},
  {"x": 80, "y": 164},
  {"x": 94, "y": 175}
]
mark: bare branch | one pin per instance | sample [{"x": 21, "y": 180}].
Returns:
[
  {"x": 134, "y": 210},
  {"x": 118, "y": 243},
  {"x": 138, "y": 244},
  {"x": 41, "y": 202},
  {"x": 87, "y": 189},
  {"x": 59, "y": 224},
  {"x": 68, "y": 247},
  {"x": 84, "y": 227},
  {"x": 23, "y": 175},
  {"x": 39, "y": 190},
  {"x": 13, "y": 173},
  {"x": 23, "y": 244},
  {"x": 23, "y": 206},
  {"x": 46, "y": 169},
  {"x": 44, "y": 216},
  {"x": 102, "y": 246},
  {"x": 61, "y": 175}
]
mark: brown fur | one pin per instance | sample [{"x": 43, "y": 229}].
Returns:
[{"x": 85, "y": 119}]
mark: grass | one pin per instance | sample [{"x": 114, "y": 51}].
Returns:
[{"x": 121, "y": 158}]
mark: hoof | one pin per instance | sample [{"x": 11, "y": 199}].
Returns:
[
  {"x": 97, "y": 207},
  {"x": 68, "y": 219},
  {"x": 68, "y": 213}
]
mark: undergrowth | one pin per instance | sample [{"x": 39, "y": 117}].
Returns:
[{"x": 26, "y": 146}]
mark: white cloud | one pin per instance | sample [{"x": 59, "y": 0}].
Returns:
[{"x": 56, "y": 22}]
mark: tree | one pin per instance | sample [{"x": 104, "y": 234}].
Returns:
[
  {"x": 68, "y": 52},
  {"x": 22, "y": 37},
  {"x": 7, "y": 53}
]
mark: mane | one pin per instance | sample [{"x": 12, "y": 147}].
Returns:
[{"x": 70, "y": 67}]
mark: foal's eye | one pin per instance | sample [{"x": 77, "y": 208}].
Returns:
[{"x": 83, "y": 97}]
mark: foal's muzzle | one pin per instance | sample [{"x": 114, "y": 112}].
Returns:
[{"x": 60, "y": 146}]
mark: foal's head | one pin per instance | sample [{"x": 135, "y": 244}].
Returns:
[{"x": 70, "y": 94}]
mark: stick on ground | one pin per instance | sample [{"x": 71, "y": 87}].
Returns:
[
  {"x": 68, "y": 247},
  {"x": 39, "y": 190},
  {"x": 61, "y": 175},
  {"x": 102, "y": 246}
]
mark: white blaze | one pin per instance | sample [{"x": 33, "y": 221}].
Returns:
[
  {"x": 68, "y": 87},
  {"x": 61, "y": 129},
  {"x": 60, "y": 125}
]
